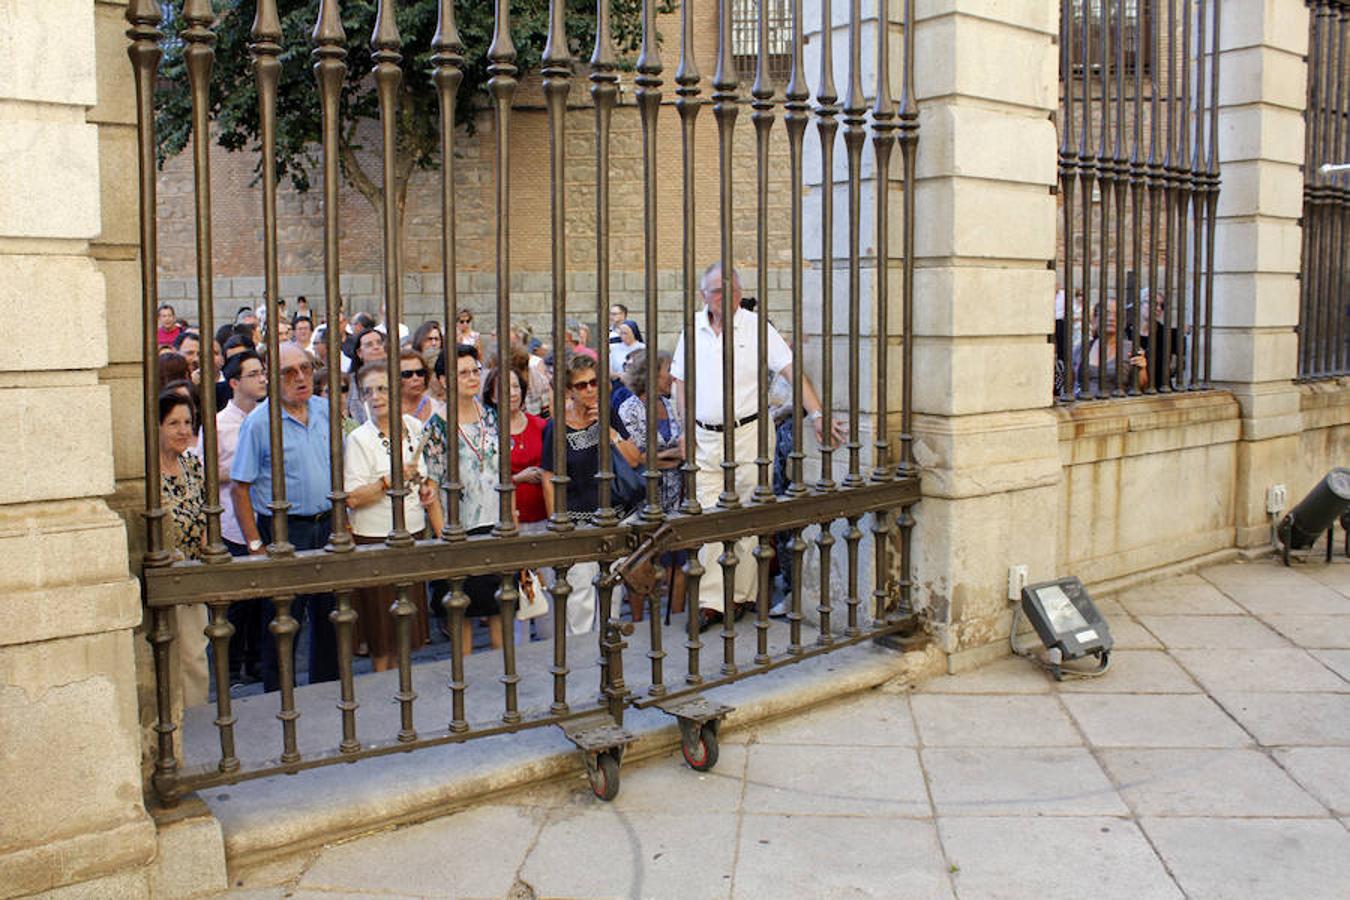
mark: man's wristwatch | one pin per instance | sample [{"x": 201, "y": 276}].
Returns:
[{"x": 255, "y": 545}]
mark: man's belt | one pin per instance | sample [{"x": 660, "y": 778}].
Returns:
[
  {"x": 720, "y": 428},
  {"x": 296, "y": 517}
]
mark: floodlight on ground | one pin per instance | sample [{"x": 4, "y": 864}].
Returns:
[
  {"x": 1069, "y": 625},
  {"x": 1315, "y": 513}
]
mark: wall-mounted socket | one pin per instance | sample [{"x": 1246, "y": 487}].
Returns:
[
  {"x": 1017, "y": 579},
  {"x": 1276, "y": 499}
]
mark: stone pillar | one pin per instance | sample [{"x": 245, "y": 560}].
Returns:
[
  {"x": 1258, "y": 240},
  {"x": 986, "y": 439},
  {"x": 71, "y": 806}
]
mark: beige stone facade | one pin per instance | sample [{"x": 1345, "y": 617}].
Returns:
[{"x": 1107, "y": 490}]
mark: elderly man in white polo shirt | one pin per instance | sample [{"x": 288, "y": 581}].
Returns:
[{"x": 708, "y": 428}]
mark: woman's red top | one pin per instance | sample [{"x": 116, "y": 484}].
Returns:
[{"x": 527, "y": 449}]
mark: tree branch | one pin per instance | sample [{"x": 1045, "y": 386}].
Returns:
[{"x": 356, "y": 176}]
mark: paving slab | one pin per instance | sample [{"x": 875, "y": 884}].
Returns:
[
  {"x": 1319, "y": 632},
  {"x": 1040, "y": 781},
  {"x": 1206, "y": 783},
  {"x": 1014, "y": 859},
  {"x": 1323, "y": 771},
  {"x": 597, "y": 850},
  {"x": 1158, "y": 720},
  {"x": 666, "y": 782},
  {"x": 859, "y": 781},
  {"x": 1183, "y": 632},
  {"x": 1310, "y": 598},
  {"x": 1259, "y": 571},
  {"x": 1004, "y": 676},
  {"x": 489, "y": 844},
  {"x": 1135, "y": 672},
  {"x": 1127, "y": 634},
  {"x": 1292, "y": 719},
  {"x": 1336, "y": 660},
  {"x": 1186, "y": 595},
  {"x": 808, "y": 857},
  {"x": 1336, "y": 575},
  {"x": 872, "y": 719},
  {"x": 1255, "y": 859},
  {"x": 992, "y": 721},
  {"x": 1288, "y": 669}
]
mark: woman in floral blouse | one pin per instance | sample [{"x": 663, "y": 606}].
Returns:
[
  {"x": 476, "y": 443},
  {"x": 183, "y": 489}
]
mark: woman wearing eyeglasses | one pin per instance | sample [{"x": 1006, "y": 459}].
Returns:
[
  {"x": 465, "y": 336},
  {"x": 582, "y": 435},
  {"x": 476, "y": 444},
  {"x": 416, "y": 400},
  {"x": 367, "y": 484}
]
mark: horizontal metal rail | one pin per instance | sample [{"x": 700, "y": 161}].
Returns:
[{"x": 319, "y": 571}]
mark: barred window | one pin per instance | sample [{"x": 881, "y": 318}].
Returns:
[
  {"x": 1131, "y": 22},
  {"x": 745, "y": 41}
]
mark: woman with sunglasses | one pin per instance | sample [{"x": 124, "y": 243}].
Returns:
[
  {"x": 582, "y": 434},
  {"x": 465, "y": 336},
  {"x": 367, "y": 482},
  {"x": 476, "y": 443},
  {"x": 416, "y": 400}
]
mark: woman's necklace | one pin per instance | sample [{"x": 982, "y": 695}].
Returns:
[{"x": 480, "y": 447}]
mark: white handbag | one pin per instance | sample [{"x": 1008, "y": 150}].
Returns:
[{"x": 533, "y": 602}]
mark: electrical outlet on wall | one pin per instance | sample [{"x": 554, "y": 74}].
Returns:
[
  {"x": 1017, "y": 579},
  {"x": 1276, "y": 499}
]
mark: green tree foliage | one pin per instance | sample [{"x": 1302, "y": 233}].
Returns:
[{"x": 234, "y": 96}]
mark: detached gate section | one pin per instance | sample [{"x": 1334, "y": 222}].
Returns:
[{"x": 874, "y": 489}]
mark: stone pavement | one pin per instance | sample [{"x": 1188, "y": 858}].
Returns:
[{"x": 1211, "y": 761}]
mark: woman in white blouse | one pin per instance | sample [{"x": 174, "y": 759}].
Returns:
[{"x": 366, "y": 481}]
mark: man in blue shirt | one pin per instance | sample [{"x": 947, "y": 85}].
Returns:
[{"x": 304, "y": 441}]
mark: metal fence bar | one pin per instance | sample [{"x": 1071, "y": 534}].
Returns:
[
  {"x": 1068, "y": 175},
  {"x": 604, "y": 91},
  {"x": 447, "y": 60},
  {"x": 688, "y": 105},
  {"x": 200, "y": 57},
  {"x": 1212, "y": 192},
  {"x": 907, "y": 468},
  {"x": 266, "y": 51},
  {"x": 1120, "y": 166},
  {"x": 1197, "y": 199},
  {"x": 501, "y": 87},
  {"x": 796, "y": 115},
  {"x": 883, "y": 143},
  {"x": 143, "y": 20},
  {"x": 1158, "y": 340},
  {"x": 403, "y": 613},
  {"x": 762, "y": 92},
  {"x": 827, "y": 126},
  {"x": 648, "y": 82},
  {"x": 457, "y": 603},
  {"x": 219, "y": 631},
  {"x": 1182, "y": 251},
  {"x": 344, "y": 624},
  {"x": 1337, "y": 204}
]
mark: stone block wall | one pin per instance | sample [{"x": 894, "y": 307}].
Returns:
[{"x": 70, "y": 785}]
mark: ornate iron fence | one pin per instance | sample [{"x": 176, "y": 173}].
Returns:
[
  {"x": 1138, "y": 157},
  {"x": 1322, "y": 330},
  {"x": 885, "y": 491}
]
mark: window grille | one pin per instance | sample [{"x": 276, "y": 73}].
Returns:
[{"x": 745, "y": 41}]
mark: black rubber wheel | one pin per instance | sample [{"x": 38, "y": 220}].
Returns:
[
  {"x": 605, "y": 778},
  {"x": 702, "y": 756}
]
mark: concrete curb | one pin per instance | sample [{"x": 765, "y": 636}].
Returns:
[{"x": 279, "y": 816}]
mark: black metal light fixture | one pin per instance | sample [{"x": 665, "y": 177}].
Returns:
[
  {"x": 1068, "y": 624},
  {"x": 1316, "y": 513}
]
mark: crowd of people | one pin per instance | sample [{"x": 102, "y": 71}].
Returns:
[{"x": 469, "y": 370}]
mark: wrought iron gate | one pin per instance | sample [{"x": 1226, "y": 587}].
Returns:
[
  {"x": 882, "y": 492},
  {"x": 1322, "y": 331}
]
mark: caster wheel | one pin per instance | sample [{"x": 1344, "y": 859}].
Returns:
[
  {"x": 605, "y": 778},
  {"x": 702, "y": 754}
]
